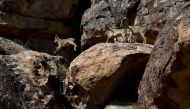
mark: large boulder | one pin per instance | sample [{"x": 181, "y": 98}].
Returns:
[
  {"x": 93, "y": 21},
  {"x": 27, "y": 18},
  {"x": 121, "y": 8},
  {"x": 32, "y": 80},
  {"x": 165, "y": 84},
  {"x": 50, "y": 9},
  {"x": 94, "y": 1},
  {"x": 97, "y": 72},
  {"x": 132, "y": 106},
  {"x": 98, "y": 15},
  {"x": 47, "y": 46},
  {"x": 155, "y": 14},
  {"x": 20, "y": 25},
  {"x": 8, "y": 47}
]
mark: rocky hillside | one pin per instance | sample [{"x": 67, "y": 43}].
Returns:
[{"x": 94, "y": 54}]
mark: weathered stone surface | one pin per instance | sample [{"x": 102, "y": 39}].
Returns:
[
  {"x": 93, "y": 21},
  {"x": 51, "y": 9},
  {"x": 121, "y": 107},
  {"x": 49, "y": 47},
  {"x": 98, "y": 15},
  {"x": 127, "y": 8},
  {"x": 32, "y": 80},
  {"x": 94, "y": 2},
  {"x": 155, "y": 13},
  {"x": 15, "y": 24},
  {"x": 165, "y": 84},
  {"x": 8, "y": 47},
  {"x": 97, "y": 71},
  {"x": 41, "y": 18}
]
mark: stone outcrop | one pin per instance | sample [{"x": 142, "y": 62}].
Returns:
[
  {"x": 166, "y": 78},
  {"x": 96, "y": 72},
  {"x": 8, "y": 47},
  {"x": 155, "y": 14},
  {"x": 32, "y": 80},
  {"x": 98, "y": 15},
  {"x": 38, "y": 18},
  {"x": 132, "y": 106},
  {"x": 49, "y": 47},
  {"x": 105, "y": 75},
  {"x": 92, "y": 23},
  {"x": 50, "y": 9},
  {"x": 111, "y": 12},
  {"x": 17, "y": 25}
]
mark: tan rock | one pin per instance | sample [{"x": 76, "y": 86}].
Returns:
[
  {"x": 8, "y": 47},
  {"x": 165, "y": 83},
  {"x": 97, "y": 71}
]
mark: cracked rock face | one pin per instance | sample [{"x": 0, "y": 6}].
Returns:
[
  {"x": 40, "y": 8},
  {"x": 8, "y": 47},
  {"x": 165, "y": 84},
  {"x": 98, "y": 15},
  {"x": 96, "y": 72},
  {"x": 105, "y": 75},
  {"x": 31, "y": 80},
  {"x": 37, "y": 17}
]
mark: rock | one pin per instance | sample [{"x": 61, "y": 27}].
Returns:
[
  {"x": 165, "y": 84},
  {"x": 96, "y": 72},
  {"x": 98, "y": 15},
  {"x": 8, "y": 47},
  {"x": 51, "y": 9},
  {"x": 36, "y": 18},
  {"x": 18, "y": 25},
  {"x": 132, "y": 106},
  {"x": 155, "y": 14},
  {"x": 93, "y": 21},
  {"x": 49, "y": 47},
  {"x": 127, "y": 8},
  {"x": 32, "y": 80},
  {"x": 95, "y": 2}
]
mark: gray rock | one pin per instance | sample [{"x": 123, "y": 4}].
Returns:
[
  {"x": 8, "y": 47},
  {"x": 50, "y": 9},
  {"x": 98, "y": 15},
  {"x": 32, "y": 80}
]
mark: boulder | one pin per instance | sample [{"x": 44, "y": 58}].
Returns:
[
  {"x": 97, "y": 72},
  {"x": 8, "y": 47},
  {"x": 121, "y": 8},
  {"x": 122, "y": 107},
  {"x": 93, "y": 21},
  {"x": 13, "y": 24},
  {"x": 32, "y": 80},
  {"x": 41, "y": 18},
  {"x": 165, "y": 83},
  {"x": 94, "y": 1},
  {"x": 155, "y": 13},
  {"x": 47, "y": 46},
  {"x": 98, "y": 15},
  {"x": 50, "y": 9}
]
